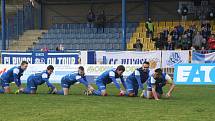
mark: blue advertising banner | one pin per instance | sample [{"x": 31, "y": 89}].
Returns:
[
  {"x": 203, "y": 58},
  {"x": 191, "y": 74},
  {"x": 40, "y": 57}
]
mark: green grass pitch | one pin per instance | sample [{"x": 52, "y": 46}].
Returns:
[{"x": 188, "y": 103}]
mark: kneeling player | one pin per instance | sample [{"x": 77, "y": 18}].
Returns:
[
  {"x": 12, "y": 75},
  {"x": 108, "y": 77},
  {"x": 155, "y": 84},
  {"x": 38, "y": 79},
  {"x": 71, "y": 79},
  {"x": 136, "y": 80}
]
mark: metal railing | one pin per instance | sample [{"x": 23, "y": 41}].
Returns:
[{"x": 27, "y": 18}]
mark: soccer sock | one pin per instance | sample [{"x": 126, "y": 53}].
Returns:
[
  {"x": 145, "y": 93},
  {"x": 60, "y": 92},
  {"x": 26, "y": 91},
  {"x": 97, "y": 92},
  {"x": 1, "y": 91}
]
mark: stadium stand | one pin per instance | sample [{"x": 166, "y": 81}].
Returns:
[{"x": 80, "y": 37}]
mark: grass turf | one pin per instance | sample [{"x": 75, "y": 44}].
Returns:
[{"x": 187, "y": 103}]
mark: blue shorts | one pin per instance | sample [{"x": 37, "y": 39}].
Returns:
[
  {"x": 159, "y": 90},
  {"x": 101, "y": 86},
  {"x": 31, "y": 86},
  {"x": 4, "y": 83},
  {"x": 132, "y": 87},
  {"x": 64, "y": 83}
]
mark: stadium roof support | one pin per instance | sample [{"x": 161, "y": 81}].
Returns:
[
  {"x": 3, "y": 19},
  {"x": 124, "y": 24}
]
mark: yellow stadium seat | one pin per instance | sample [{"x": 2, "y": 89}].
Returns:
[
  {"x": 175, "y": 23},
  {"x": 188, "y": 23},
  {"x": 143, "y": 34},
  {"x": 182, "y": 23},
  {"x": 213, "y": 27},
  {"x": 161, "y": 24},
  {"x": 136, "y": 35},
  {"x": 168, "y": 23},
  {"x": 155, "y": 24},
  {"x": 142, "y": 24},
  {"x": 130, "y": 46},
  {"x": 139, "y": 29}
]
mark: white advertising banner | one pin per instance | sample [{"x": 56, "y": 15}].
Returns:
[
  {"x": 129, "y": 57},
  {"x": 170, "y": 58},
  {"x": 91, "y": 71}
]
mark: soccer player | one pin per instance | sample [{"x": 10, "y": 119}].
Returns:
[
  {"x": 40, "y": 78},
  {"x": 71, "y": 79},
  {"x": 12, "y": 75},
  {"x": 108, "y": 77},
  {"x": 136, "y": 80},
  {"x": 156, "y": 83}
]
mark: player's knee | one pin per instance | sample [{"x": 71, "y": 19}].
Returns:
[
  {"x": 104, "y": 93},
  {"x": 33, "y": 92},
  {"x": 7, "y": 90}
]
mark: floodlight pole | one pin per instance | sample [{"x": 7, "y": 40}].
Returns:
[
  {"x": 3, "y": 19},
  {"x": 124, "y": 25}
]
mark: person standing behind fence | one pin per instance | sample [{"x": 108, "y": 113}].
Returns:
[
  {"x": 170, "y": 45},
  {"x": 138, "y": 45},
  {"x": 150, "y": 28},
  {"x": 101, "y": 21},
  {"x": 175, "y": 36},
  {"x": 90, "y": 18},
  {"x": 197, "y": 41}
]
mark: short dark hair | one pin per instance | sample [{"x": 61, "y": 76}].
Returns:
[
  {"x": 120, "y": 68},
  {"x": 146, "y": 62},
  {"x": 81, "y": 68},
  {"x": 50, "y": 67},
  {"x": 24, "y": 62},
  {"x": 158, "y": 70}
]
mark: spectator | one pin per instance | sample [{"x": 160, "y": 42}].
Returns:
[
  {"x": 45, "y": 49},
  {"x": 175, "y": 36},
  {"x": 170, "y": 44},
  {"x": 205, "y": 33},
  {"x": 207, "y": 25},
  {"x": 90, "y": 18},
  {"x": 138, "y": 45},
  {"x": 211, "y": 42},
  {"x": 60, "y": 48},
  {"x": 164, "y": 35},
  {"x": 185, "y": 42},
  {"x": 101, "y": 20},
  {"x": 180, "y": 29},
  {"x": 197, "y": 41},
  {"x": 204, "y": 43},
  {"x": 190, "y": 34},
  {"x": 150, "y": 28},
  {"x": 159, "y": 42}
]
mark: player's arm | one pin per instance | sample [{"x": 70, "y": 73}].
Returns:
[
  {"x": 123, "y": 82},
  {"x": 137, "y": 76},
  {"x": 83, "y": 81},
  {"x": 172, "y": 85},
  {"x": 46, "y": 79},
  {"x": 154, "y": 93},
  {"x": 90, "y": 87},
  {"x": 112, "y": 77},
  {"x": 152, "y": 85},
  {"x": 17, "y": 78}
]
